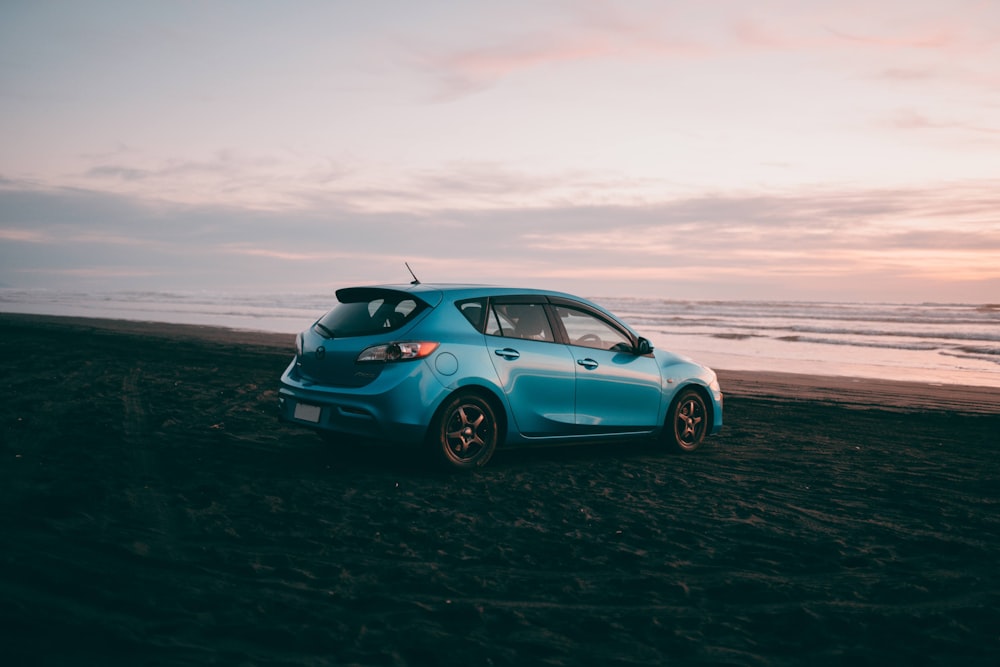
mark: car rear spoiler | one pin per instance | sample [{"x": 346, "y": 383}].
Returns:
[{"x": 358, "y": 294}]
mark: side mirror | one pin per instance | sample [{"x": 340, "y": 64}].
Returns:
[{"x": 643, "y": 347}]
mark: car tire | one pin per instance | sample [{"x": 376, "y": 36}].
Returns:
[
  {"x": 687, "y": 422},
  {"x": 464, "y": 433}
]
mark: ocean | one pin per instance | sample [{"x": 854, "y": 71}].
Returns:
[{"x": 935, "y": 343}]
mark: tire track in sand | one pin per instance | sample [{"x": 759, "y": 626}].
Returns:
[{"x": 155, "y": 526}]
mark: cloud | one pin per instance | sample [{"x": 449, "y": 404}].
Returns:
[
  {"x": 94, "y": 273},
  {"x": 24, "y": 236},
  {"x": 717, "y": 245},
  {"x": 589, "y": 32},
  {"x": 608, "y": 31},
  {"x": 123, "y": 173},
  {"x": 929, "y": 37},
  {"x": 261, "y": 181},
  {"x": 274, "y": 185},
  {"x": 908, "y": 74},
  {"x": 909, "y": 119}
]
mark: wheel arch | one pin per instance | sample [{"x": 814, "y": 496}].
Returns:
[
  {"x": 496, "y": 403},
  {"x": 706, "y": 396}
]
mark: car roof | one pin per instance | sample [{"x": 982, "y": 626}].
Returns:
[
  {"x": 434, "y": 293},
  {"x": 467, "y": 290}
]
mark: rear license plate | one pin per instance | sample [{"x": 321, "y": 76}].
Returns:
[{"x": 307, "y": 413}]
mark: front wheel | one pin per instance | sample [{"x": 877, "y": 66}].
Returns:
[
  {"x": 689, "y": 419},
  {"x": 464, "y": 434}
]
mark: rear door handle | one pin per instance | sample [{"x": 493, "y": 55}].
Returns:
[
  {"x": 507, "y": 353},
  {"x": 588, "y": 363}
]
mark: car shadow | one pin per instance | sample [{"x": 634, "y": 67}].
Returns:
[{"x": 339, "y": 452}]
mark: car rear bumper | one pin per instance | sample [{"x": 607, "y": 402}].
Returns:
[{"x": 396, "y": 407}]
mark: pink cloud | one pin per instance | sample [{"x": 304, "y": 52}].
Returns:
[
  {"x": 23, "y": 236},
  {"x": 908, "y": 119},
  {"x": 933, "y": 37},
  {"x": 601, "y": 31},
  {"x": 908, "y": 74},
  {"x": 597, "y": 36},
  {"x": 472, "y": 70},
  {"x": 753, "y": 34}
]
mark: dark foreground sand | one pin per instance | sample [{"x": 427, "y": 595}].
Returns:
[{"x": 154, "y": 512}]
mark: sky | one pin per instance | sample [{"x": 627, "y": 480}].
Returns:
[{"x": 686, "y": 149}]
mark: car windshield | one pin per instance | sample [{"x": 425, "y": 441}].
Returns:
[{"x": 365, "y": 315}]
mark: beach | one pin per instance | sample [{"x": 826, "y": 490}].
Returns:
[{"x": 156, "y": 512}]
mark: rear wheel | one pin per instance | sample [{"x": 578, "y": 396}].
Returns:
[
  {"x": 689, "y": 419},
  {"x": 464, "y": 434}
]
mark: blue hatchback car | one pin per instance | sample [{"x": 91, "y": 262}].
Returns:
[{"x": 464, "y": 369}]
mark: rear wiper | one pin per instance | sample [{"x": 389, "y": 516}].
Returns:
[{"x": 329, "y": 334}]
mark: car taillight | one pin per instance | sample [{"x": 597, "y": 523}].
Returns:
[{"x": 397, "y": 351}]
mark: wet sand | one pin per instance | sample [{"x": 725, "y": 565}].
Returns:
[{"x": 155, "y": 512}]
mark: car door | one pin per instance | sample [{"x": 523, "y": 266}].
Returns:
[
  {"x": 537, "y": 373},
  {"x": 616, "y": 389}
]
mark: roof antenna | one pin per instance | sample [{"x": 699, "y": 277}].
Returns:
[{"x": 416, "y": 281}]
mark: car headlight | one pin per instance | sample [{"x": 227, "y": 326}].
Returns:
[{"x": 397, "y": 351}]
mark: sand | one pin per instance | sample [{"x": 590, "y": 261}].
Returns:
[{"x": 155, "y": 512}]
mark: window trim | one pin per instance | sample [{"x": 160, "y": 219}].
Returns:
[
  {"x": 558, "y": 334},
  {"x": 484, "y": 303},
  {"x": 549, "y": 304},
  {"x": 593, "y": 312}
]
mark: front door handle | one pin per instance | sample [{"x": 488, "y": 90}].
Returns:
[
  {"x": 507, "y": 353},
  {"x": 588, "y": 363}
]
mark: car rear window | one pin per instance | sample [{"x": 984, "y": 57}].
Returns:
[{"x": 368, "y": 313}]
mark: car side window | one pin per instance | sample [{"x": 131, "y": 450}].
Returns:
[
  {"x": 473, "y": 311},
  {"x": 587, "y": 330},
  {"x": 496, "y": 324},
  {"x": 520, "y": 320}
]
